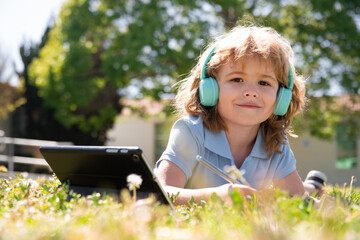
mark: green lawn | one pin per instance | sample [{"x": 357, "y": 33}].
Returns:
[{"x": 32, "y": 209}]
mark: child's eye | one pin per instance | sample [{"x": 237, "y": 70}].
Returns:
[
  {"x": 237, "y": 80},
  {"x": 264, "y": 83}
]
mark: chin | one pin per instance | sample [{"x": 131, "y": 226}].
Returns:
[{"x": 245, "y": 123}]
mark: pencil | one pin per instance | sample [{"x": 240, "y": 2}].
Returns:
[{"x": 216, "y": 170}]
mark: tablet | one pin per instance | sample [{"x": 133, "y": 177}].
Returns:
[{"x": 103, "y": 169}]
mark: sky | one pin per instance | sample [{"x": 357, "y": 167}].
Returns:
[{"x": 20, "y": 21}]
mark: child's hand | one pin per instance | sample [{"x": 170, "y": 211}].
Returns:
[
  {"x": 224, "y": 191},
  {"x": 317, "y": 202}
]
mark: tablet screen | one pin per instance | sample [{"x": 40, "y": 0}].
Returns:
[{"x": 102, "y": 169}]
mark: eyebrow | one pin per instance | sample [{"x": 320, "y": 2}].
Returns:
[
  {"x": 262, "y": 75},
  {"x": 235, "y": 72},
  {"x": 268, "y": 76}
]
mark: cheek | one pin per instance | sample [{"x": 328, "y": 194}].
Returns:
[
  {"x": 224, "y": 92},
  {"x": 228, "y": 91},
  {"x": 223, "y": 88},
  {"x": 273, "y": 93},
  {"x": 225, "y": 99},
  {"x": 271, "y": 97}
]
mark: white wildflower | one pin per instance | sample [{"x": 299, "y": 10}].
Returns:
[
  {"x": 235, "y": 173},
  {"x": 134, "y": 181},
  {"x": 25, "y": 174},
  {"x": 32, "y": 210}
]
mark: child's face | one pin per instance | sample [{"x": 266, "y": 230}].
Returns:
[{"x": 247, "y": 92}]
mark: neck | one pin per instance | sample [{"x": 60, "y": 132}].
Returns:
[{"x": 241, "y": 141}]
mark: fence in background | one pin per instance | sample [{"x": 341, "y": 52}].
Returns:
[{"x": 7, "y": 145}]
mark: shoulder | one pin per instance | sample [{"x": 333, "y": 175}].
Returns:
[
  {"x": 285, "y": 161},
  {"x": 284, "y": 153},
  {"x": 186, "y": 130},
  {"x": 183, "y": 145},
  {"x": 285, "y": 147},
  {"x": 194, "y": 124},
  {"x": 259, "y": 150},
  {"x": 191, "y": 120}
]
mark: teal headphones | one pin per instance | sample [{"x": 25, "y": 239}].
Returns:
[{"x": 209, "y": 90}]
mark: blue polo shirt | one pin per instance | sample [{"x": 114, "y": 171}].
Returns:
[{"x": 189, "y": 137}]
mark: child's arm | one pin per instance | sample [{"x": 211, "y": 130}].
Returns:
[
  {"x": 291, "y": 183},
  {"x": 173, "y": 179}
]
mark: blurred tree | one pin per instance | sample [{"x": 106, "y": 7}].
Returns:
[
  {"x": 33, "y": 120},
  {"x": 26, "y": 117},
  {"x": 10, "y": 96},
  {"x": 97, "y": 47}
]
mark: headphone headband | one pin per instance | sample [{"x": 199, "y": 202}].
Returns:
[
  {"x": 207, "y": 60},
  {"x": 290, "y": 78}
]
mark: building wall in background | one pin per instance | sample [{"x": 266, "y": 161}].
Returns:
[
  {"x": 134, "y": 131},
  {"x": 315, "y": 154}
]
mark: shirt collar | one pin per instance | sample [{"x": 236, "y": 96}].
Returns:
[
  {"x": 259, "y": 150},
  {"x": 217, "y": 142}
]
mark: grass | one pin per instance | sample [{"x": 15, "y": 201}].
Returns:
[{"x": 39, "y": 209}]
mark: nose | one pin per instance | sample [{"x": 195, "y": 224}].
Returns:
[{"x": 250, "y": 93}]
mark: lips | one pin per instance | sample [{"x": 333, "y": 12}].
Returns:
[{"x": 249, "y": 105}]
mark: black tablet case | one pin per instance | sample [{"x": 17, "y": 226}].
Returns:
[{"x": 102, "y": 169}]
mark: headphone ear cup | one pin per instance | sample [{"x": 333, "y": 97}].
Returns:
[
  {"x": 208, "y": 91},
  {"x": 282, "y": 101}
]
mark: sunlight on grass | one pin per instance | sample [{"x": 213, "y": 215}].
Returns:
[{"x": 40, "y": 209}]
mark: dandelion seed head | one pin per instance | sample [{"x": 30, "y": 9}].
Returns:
[
  {"x": 134, "y": 180},
  {"x": 235, "y": 173}
]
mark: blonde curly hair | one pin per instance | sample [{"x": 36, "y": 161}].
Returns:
[{"x": 238, "y": 44}]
